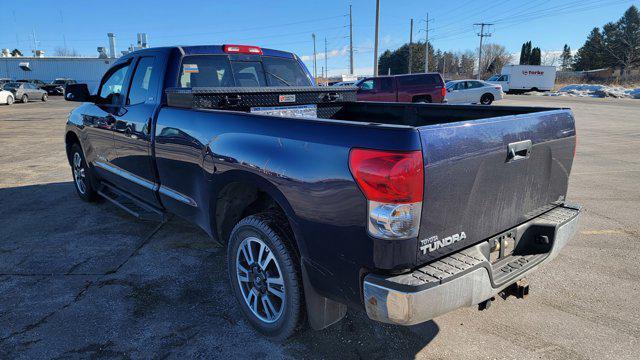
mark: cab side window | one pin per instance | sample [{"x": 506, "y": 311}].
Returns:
[
  {"x": 367, "y": 85},
  {"x": 113, "y": 86},
  {"x": 144, "y": 84}
]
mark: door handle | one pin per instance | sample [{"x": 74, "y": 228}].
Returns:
[{"x": 519, "y": 150}]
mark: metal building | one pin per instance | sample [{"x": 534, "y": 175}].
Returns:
[{"x": 47, "y": 69}]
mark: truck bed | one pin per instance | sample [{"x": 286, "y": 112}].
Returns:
[
  {"x": 487, "y": 168},
  {"x": 337, "y": 104}
]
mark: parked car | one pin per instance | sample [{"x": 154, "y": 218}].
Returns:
[
  {"x": 6, "y": 97},
  {"x": 25, "y": 91},
  {"x": 404, "y": 211},
  {"x": 57, "y": 86},
  {"x": 523, "y": 78},
  {"x": 4, "y": 81},
  {"x": 38, "y": 83},
  {"x": 473, "y": 92},
  {"x": 417, "y": 88}
]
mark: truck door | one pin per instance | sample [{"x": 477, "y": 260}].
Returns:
[
  {"x": 99, "y": 120},
  {"x": 132, "y": 130},
  {"x": 503, "y": 80},
  {"x": 377, "y": 89}
]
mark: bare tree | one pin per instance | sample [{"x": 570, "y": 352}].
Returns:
[
  {"x": 549, "y": 58},
  {"x": 63, "y": 51},
  {"x": 494, "y": 57}
]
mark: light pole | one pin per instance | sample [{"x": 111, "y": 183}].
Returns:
[
  {"x": 315, "y": 65},
  {"x": 375, "y": 46}
]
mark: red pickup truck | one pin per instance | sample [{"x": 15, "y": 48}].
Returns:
[{"x": 416, "y": 88}]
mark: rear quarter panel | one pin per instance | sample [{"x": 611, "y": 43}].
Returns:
[{"x": 301, "y": 163}]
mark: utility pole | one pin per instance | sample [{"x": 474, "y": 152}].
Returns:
[
  {"x": 315, "y": 65},
  {"x": 426, "y": 47},
  {"x": 35, "y": 42},
  {"x": 410, "y": 45},
  {"x": 375, "y": 46},
  {"x": 350, "y": 42},
  {"x": 326, "y": 66},
  {"x": 482, "y": 35}
]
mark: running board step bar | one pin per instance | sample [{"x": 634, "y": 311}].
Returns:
[{"x": 139, "y": 209}]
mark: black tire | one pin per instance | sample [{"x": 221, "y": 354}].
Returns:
[
  {"x": 24, "y": 99},
  {"x": 422, "y": 100},
  {"x": 10, "y": 100},
  {"x": 486, "y": 99},
  {"x": 279, "y": 256},
  {"x": 82, "y": 176},
  {"x": 44, "y": 97}
]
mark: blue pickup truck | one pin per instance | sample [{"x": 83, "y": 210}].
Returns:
[{"x": 405, "y": 211}]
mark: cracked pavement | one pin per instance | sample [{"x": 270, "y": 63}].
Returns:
[{"x": 82, "y": 280}]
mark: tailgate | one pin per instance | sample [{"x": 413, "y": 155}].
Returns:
[{"x": 485, "y": 176}]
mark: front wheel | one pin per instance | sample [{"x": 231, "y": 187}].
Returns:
[
  {"x": 265, "y": 276},
  {"x": 81, "y": 175},
  {"x": 44, "y": 97},
  {"x": 10, "y": 100},
  {"x": 24, "y": 99},
  {"x": 486, "y": 99}
]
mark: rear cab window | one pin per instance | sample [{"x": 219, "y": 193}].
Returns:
[{"x": 220, "y": 71}]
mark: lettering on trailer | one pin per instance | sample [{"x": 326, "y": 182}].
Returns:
[
  {"x": 532, "y": 72},
  {"x": 432, "y": 243}
]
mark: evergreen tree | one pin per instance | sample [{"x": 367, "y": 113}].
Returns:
[
  {"x": 536, "y": 56},
  {"x": 621, "y": 41},
  {"x": 566, "y": 58},
  {"x": 592, "y": 54},
  {"x": 525, "y": 53}
]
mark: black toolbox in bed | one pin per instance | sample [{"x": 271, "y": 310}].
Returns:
[{"x": 327, "y": 100}]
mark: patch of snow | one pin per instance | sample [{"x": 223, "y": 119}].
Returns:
[{"x": 592, "y": 90}]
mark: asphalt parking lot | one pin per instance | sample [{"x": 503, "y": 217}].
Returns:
[{"x": 86, "y": 280}]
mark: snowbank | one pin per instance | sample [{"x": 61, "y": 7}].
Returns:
[{"x": 592, "y": 90}]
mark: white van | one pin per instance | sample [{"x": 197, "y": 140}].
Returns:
[{"x": 521, "y": 78}]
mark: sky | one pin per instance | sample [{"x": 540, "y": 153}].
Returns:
[{"x": 288, "y": 25}]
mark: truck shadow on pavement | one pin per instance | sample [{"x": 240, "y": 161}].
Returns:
[{"x": 88, "y": 280}]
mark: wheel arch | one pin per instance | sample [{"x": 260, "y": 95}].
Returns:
[
  {"x": 240, "y": 193},
  {"x": 71, "y": 138}
]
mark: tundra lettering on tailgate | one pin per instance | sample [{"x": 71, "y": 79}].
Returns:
[{"x": 432, "y": 243}]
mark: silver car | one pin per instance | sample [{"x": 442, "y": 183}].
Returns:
[{"x": 25, "y": 91}]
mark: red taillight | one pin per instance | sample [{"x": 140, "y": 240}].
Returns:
[
  {"x": 444, "y": 92},
  {"x": 242, "y": 49},
  {"x": 388, "y": 176}
]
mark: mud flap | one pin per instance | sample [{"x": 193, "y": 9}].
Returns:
[{"x": 321, "y": 311}]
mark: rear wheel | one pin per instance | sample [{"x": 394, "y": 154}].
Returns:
[
  {"x": 10, "y": 100},
  {"x": 486, "y": 99},
  {"x": 44, "y": 97},
  {"x": 265, "y": 276},
  {"x": 81, "y": 175},
  {"x": 24, "y": 99},
  {"x": 422, "y": 100}
]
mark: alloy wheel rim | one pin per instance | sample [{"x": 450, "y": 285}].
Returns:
[
  {"x": 79, "y": 174},
  {"x": 260, "y": 279}
]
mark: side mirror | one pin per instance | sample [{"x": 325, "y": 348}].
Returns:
[{"x": 77, "y": 92}]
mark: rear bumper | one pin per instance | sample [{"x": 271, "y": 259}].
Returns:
[{"x": 466, "y": 278}]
